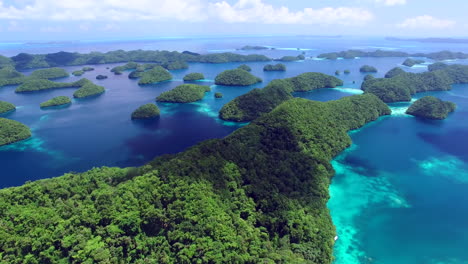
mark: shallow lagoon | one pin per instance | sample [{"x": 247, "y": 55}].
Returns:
[{"x": 399, "y": 195}]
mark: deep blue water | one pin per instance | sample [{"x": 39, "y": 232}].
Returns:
[{"x": 399, "y": 194}]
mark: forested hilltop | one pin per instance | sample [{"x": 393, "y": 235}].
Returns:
[
  {"x": 256, "y": 196},
  {"x": 166, "y": 58}
]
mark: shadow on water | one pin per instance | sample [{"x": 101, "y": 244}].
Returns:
[{"x": 445, "y": 142}]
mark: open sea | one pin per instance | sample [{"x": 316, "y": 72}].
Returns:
[{"x": 400, "y": 193}]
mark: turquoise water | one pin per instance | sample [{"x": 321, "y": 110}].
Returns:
[{"x": 399, "y": 193}]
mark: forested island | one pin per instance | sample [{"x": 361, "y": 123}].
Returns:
[
  {"x": 213, "y": 203},
  {"x": 12, "y": 131},
  {"x": 257, "y": 102},
  {"x": 411, "y": 62},
  {"x": 431, "y": 107},
  {"x": 236, "y": 77},
  {"x": 218, "y": 95},
  {"x": 292, "y": 58},
  {"x": 146, "y": 111},
  {"x": 88, "y": 89},
  {"x": 10, "y": 76},
  {"x": 6, "y": 107},
  {"x": 274, "y": 67},
  {"x": 248, "y": 47},
  {"x": 156, "y": 74},
  {"x": 400, "y": 85},
  {"x": 185, "y": 93},
  {"x": 352, "y": 54},
  {"x": 245, "y": 67},
  {"x": 194, "y": 76},
  {"x": 56, "y": 101},
  {"x": 33, "y": 85},
  {"x": 101, "y": 77},
  {"x": 368, "y": 69},
  {"x": 62, "y": 58}
]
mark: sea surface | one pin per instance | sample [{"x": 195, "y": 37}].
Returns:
[{"x": 400, "y": 191}]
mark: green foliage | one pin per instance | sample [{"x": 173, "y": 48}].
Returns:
[
  {"x": 276, "y": 67},
  {"x": 6, "y": 107},
  {"x": 78, "y": 73},
  {"x": 394, "y": 72},
  {"x": 56, "y": 101},
  {"x": 431, "y": 107},
  {"x": 184, "y": 93},
  {"x": 236, "y": 77},
  {"x": 410, "y": 62},
  {"x": 257, "y": 102},
  {"x": 175, "y": 65},
  {"x": 248, "y": 47},
  {"x": 50, "y": 73},
  {"x": 218, "y": 95},
  {"x": 367, "y": 68},
  {"x": 194, "y": 76},
  {"x": 22, "y": 60},
  {"x": 88, "y": 68},
  {"x": 32, "y": 85},
  {"x": 157, "y": 74},
  {"x": 400, "y": 85},
  {"x": 337, "y": 72},
  {"x": 9, "y": 72},
  {"x": 60, "y": 58},
  {"x": 352, "y": 54},
  {"x": 12, "y": 131},
  {"x": 101, "y": 77},
  {"x": 128, "y": 66},
  {"x": 89, "y": 89},
  {"x": 347, "y": 71},
  {"x": 245, "y": 67},
  {"x": 292, "y": 58},
  {"x": 257, "y": 196},
  {"x": 146, "y": 111}
]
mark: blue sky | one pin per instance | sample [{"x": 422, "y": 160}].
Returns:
[{"x": 95, "y": 19}]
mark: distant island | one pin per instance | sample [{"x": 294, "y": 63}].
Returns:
[
  {"x": 400, "y": 86},
  {"x": 56, "y": 101},
  {"x": 50, "y": 73},
  {"x": 175, "y": 65},
  {"x": 101, "y": 77},
  {"x": 12, "y": 131},
  {"x": 194, "y": 76},
  {"x": 33, "y": 85},
  {"x": 185, "y": 93},
  {"x": 431, "y": 107},
  {"x": 291, "y": 58},
  {"x": 254, "y": 48},
  {"x": 274, "y": 67},
  {"x": 236, "y": 77},
  {"x": 29, "y": 61},
  {"x": 146, "y": 111},
  {"x": 157, "y": 74},
  {"x": 353, "y": 54},
  {"x": 411, "y": 62},
  {"x": 257, "y": 102},
  {"x": 431, "y": 40},
  {"x": 218, "y": 95},
  {"x": 6, "y": 107}
]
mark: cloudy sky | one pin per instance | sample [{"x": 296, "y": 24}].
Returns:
[{"x": 92, "y": 19}]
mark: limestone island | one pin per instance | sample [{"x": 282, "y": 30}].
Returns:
[
  {"x": 33, "y": 85},
  {"x": 248, "y": 47},
  {"x": 157, "y": 74},
  {"x": 56, "y": 101},
  {"x": 236, "y": 77},
  {"x": 337, "y": 72},
  {"x": 87, "y": 68},
  {"x": 347, "y": 71},
  {"x": 89, "y": 89},
  {"x": 185, "y": 93},
  {"x": 410, "y": 62},
  {"x": 50, "y": 73},
  {"x": 101, "y": 77},
  {"x": 6, "y": 107},
  {"x": 257, "y": 102},
  {"x": 12, "y": 131},
  {"x": 292, "y": 58},
  {"x": 194, "y": 76},
  {"x": 400, "y": 85},
  {"x": 175, "y": 65},
  {"x": 367, "y": 68},
  {"x": 129, "y": 66},
  {"x": 275, "y": 67},
  {"x": 218, "y": 95},
  {"x": 78, "y": 73},
  {"x": 431, "y": 107},
  {"x": 245, "y": 67},
  {"x": 146, "y": 111}
]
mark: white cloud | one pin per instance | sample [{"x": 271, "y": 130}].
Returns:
[
  {"x": 52, "y": 29},
  {"x": 259, "y": 12},
  {"x": 392, "y": 2},
  {"x": 180, "y": 10},
  {"x": 426, "y": 22}
]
